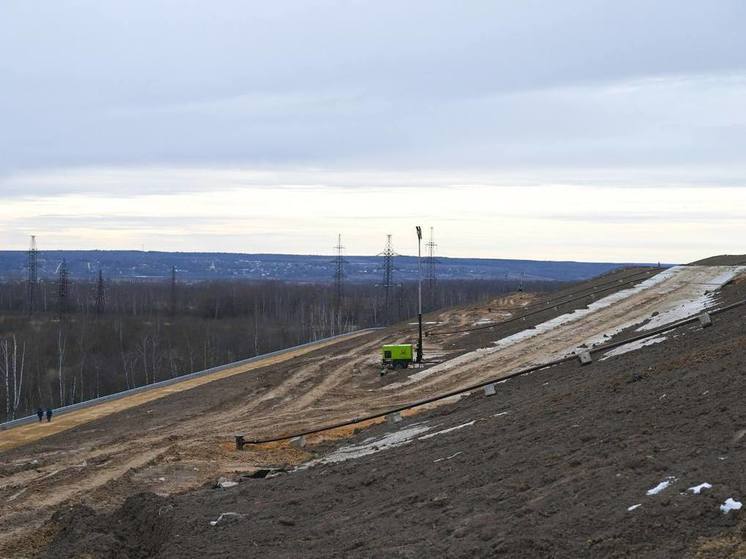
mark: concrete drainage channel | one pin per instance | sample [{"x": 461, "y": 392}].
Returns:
[
  {"x": 176, "y": 380},
  {"x": 584, "y": 358}
]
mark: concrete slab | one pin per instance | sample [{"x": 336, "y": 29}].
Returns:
[
  {"x": 393, "y": 418},
  {"x": 585, "y": 358},
  {"x": 298, "y": 442}
]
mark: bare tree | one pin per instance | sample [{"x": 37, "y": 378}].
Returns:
[{"x": 13, "y": 373}]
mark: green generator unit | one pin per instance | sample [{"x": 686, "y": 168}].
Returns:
[{"x": 397, "y": 356}]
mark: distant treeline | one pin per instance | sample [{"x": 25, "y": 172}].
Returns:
[
  {"x": 192, "y": 266},
  {"x": 88, "y": 339}
]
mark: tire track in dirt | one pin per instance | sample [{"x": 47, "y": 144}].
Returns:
[
  {"x": 278, "y": 402},
  {"x": 334, "y": 378}
]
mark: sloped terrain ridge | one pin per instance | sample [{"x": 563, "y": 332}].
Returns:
[{"x": 634, "y": 455}]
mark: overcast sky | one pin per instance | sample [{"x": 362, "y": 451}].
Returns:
[{"x": 591, "y": 130}]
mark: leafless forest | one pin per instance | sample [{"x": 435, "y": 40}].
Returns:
[{"x": 100, "y": 339}]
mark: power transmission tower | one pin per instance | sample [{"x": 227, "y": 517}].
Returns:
[
  {"x": 388, "y": 275},
  {"x": 62, "y": 288},
  {"x": 33, "y": 277},
  {"x": 100, "y": 294},
  {"x": 172, "y": 305},
  {"x": 339, "y": 272},
  {"x": 430, "y": 263}
]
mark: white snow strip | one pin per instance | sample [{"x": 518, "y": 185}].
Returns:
[
  {"x": 632, "y": 346},
  {"x": 447, "y": 457},
  {"x": 389, "y": 440},
  {"x": 661, "y": 486},
  {"x": 225, "y": 515},
  {"x": 501, "y": 413},
  {"x": 483, "y": 322},
  {"x": 730, "y": 505},
  {"x": 370, "y": 446},
  {"x": 695, "y": 305},
  {"x": 633, "y": 507},
  {"x": 676, "y": 310},
  {"x": 456, "y": 428},
  {"x": 697, "y": 489},
  {"x": 669, "y": 310},
  {"x": 579, "y": 314}
]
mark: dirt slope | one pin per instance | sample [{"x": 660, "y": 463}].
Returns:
[
  {"x": 184, "y": 442},
  {"x": 548, "y": 467}
]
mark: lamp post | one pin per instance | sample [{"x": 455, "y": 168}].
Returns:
[{"x": 419, "y": 292}]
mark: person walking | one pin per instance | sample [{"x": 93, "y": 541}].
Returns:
[
  {"x": 40, "y": 414},
  {"x": 49, "y": 415}
]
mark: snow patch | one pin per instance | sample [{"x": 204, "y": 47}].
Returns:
[
  {"x": 632, "y": 346},
  {"x": 447, "y": 457},
  {"x": 633, "y": 507},
  {"x": 697, "y": 304},
  {"x": 371, "y": 446},
  {"x": 661, "y": 486},
  {"x": 225, "y": 515},
  {"x": 730, "y": 505},
  {"x": 390, "y": 440},
  {"x": 456, "y": 428},
  {"x": 697, "y": 489},
  {"x": 677, "y": 310}
]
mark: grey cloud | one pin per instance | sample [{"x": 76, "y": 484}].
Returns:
[{"x": 480, "y": 85}]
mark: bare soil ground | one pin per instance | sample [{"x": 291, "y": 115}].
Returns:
[{"x": 547, "y": 468}]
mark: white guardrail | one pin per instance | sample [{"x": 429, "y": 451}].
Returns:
[{"x": 175, "y": 380}]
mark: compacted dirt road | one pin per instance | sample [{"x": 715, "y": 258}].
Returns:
[{"x": 183, "y": 441}]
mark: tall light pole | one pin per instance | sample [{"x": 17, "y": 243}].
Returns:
[{"x": 419, "y": 292}]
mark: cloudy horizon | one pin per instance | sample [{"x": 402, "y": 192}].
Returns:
[{"x": 581, "y": 130}]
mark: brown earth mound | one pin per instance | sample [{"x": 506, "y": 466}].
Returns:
[{"x": 137, "y": 530}]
